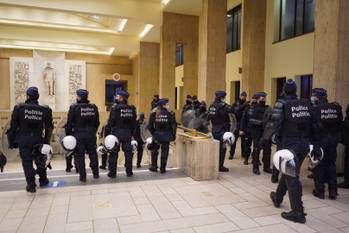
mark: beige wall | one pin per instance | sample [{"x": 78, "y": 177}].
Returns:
[
  {"x": 179, "y": 85},
  {"x": 98, "y": 69},
  {"x": 288, "y": 58}
]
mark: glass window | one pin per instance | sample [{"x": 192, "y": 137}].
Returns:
[
  {"x": 179, "y": 54},
  {"x": 234, "y": 29},
  {"x": 293, "y": 18},
  {"x": 309, "y": 9},
  {"x": 306, "y": 86},
  {"x": 287, "y": 19}
]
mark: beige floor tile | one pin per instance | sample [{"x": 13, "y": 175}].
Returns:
[
  {"x": 78, "y": 226},
  {"x": 10, "y": 224},
  {"x": 216, "y": 228},
  {"x": 186, "y": 230},
  {"x": 237, "y": 217},
  {"x": 105, "y": 226}
]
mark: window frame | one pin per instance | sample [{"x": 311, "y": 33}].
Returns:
[
  {"x": 235, "y": 38},
  {"x": 294, "y": 23}
]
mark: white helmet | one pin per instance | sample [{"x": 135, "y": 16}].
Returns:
[
  {"x": 229, "y": 138},
  {"x": 110, "y": 142},
  {"x": 69, "y": 143},
  {"x": 149, "y": 140},
  {"x": 284, "y": 161},
  {"x": 315, "y": 157},
  {"x": 134, "y": 144},
  {"x": 47, "y": 151},
  {"x": 101, "y": 150}
]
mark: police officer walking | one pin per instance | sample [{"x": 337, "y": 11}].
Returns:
[
  {"x": 330, "y": 124},
  {"x": 253, "y": 125},
  {"x": 239, "y": 108},
  {"x": 162, "y": 126},
  {"x": 294, "y": 121},
  {"x": 138, "y": 138},
  {"x": 31, "y": 125},
  {"x": 122, "y": 123},
  {"x": 345, "y": 183},
  {"x": 83, "y": 123},
  {"x": 218, "y": 114}
]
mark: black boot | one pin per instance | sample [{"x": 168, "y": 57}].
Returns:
[
  {"x": 245, "y": 161},
  {"x": 95, "y": 175},
  {"x": 102, "y": 167},
  {"x": 30, "y": 189},
  {"x": 153, "y": 169},
  {"x": 332, "y": 192},
  {"x": 223, "y": 169},
  {"x": 294, "y": 216},
  {"x": 319, "y": 195},
  {"x": 44, "y": 182},
  {"x": 274, "y": 179},
  {"x": 111, "y": 175},
  {"x": 275, "y": 200},
  {"x": 83, "y": 179},
  {"x": 256, "y": 171},
  {"x": 267, "y": 170}
]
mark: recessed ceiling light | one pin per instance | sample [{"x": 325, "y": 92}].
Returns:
[
  {"x": 165, "y": 2},
  {"x": 146, "y": 29},
  {"x": 122, "y": 25}
]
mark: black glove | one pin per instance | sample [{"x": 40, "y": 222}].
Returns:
[{"x": 13, "y": 145}]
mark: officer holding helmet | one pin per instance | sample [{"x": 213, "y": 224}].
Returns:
[
  {"x": 122, "y": 124},
  {"x": 294, "y": 123},
  {"x": 31, "y": 125},
  {"x": 330, "y": 124},
  {"x": 138, "y": 138},
  {"x": 162, "y": 125},
  {"x": 83, "y": 123},
  {"x": 218, "y": 114}
]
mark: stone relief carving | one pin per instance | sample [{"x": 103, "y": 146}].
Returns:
[
  {"x": 21, "y": 74},
  {"x": 75, "y": 80},
  {"x": 49, "y": 76}
]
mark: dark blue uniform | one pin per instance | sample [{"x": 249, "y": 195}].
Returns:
[
  {"x": 329, "y": 116},
  {"x": 104, "y": 133},
  {"x": 140, "y": 142},
  {"x": 122, "y": 124},
  {"x": 252, "y": 125},
  {"x": 162, "y": 126},
  {"x": 28, "y": 122},
  {"x": 238, "y": 109},
  {"x": 345, "y": 140},
  {"x": 294, "y": 123},
  {"x": 83, "y": 123},
  {"x": 218, "y": 114},
  {"x": 246, "y": 137}
]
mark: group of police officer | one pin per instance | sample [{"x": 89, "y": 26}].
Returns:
[
  {"x": 292, "y": 124},
  {"x": 32, "y": 125}
]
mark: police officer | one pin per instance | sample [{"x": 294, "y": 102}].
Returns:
[
  {"x": 196, "y": 102},
  {"x": 122, "y": 122},
  {"x": 138, "y": 138},
  {"x": 218, "y": 114},
  {"x": 162, "y": 126},
  {"x": 154, "y": 101},
  {"x": 293, "y": 121},
  {"x": 28, "y": 122},
  {"x": 83, "y": 123},
  {"x": 239, "y": 108},
  {"x": 330, "y": 125},
  {"x": 252, "y": 125},
  {"x": 188, "y": 104},
  {"x": 345, "y": 183},
  {"x": 202, "y": 115},
  {"x": 245, "y": 135}
]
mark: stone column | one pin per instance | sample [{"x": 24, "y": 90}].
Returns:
[
  {"x": 212, "y": 51},
  {"x": 331, "y": 49},
  {"x": 253, "y": 56},
  {"x": 146, "y": 71},
  {"x": 182, "y": 29}
]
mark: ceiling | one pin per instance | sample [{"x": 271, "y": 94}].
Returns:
[{"x": 110, "y": 27}]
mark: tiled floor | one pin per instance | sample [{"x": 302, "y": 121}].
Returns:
[{"x": 237, "y": 202}]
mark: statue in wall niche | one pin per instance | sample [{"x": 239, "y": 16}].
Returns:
[{"x": 49, "y": 75}]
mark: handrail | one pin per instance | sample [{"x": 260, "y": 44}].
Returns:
[{"x": 189, "y": 132}]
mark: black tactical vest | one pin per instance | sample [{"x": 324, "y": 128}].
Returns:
[
  {"x": 85, "y": 115},
  {"x": 32, "y": 117}
]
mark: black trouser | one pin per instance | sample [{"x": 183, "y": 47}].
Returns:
[
  {"x": 114, "y": 155},
  {"x": 222, "y": 149},
  {"x": 165, "y": 147},
  {"x": 256, "y": 137},
  {"x": 86, "y": 145},
  {"x": 69, "y": 161},
  {"x": 104, "y": 160},
  {"x": 247, "y": 139},
  {"x": 139, "y": 151},
  {"x": 233, "y": 147},
  {"x": 275, "y": 172},
  {"x": 300, "y": 146},
  {"x": 326, "y": 170},
  {"x": 346, "y": 164},
  {"x": 26, "y": 146}
]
